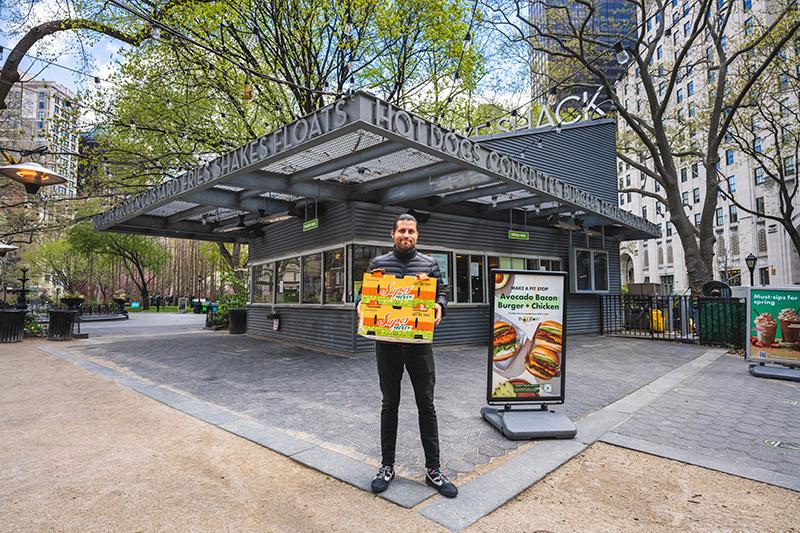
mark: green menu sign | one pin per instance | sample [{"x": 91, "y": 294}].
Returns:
[
  {"x": 774, "y": 325},
  {"x": 518, "y": 235},
  {"x": 311, "y": 224}
]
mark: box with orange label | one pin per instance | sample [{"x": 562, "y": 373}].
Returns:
[
  {"x": 396, "y": 324},
  {"x": 408, "y": 291}
]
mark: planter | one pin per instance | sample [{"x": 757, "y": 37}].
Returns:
[
  {"x": 72, "y": 303},
  {"x": 61, "y": 324},
  {"x": 237, "y": 321},
  {"x": 12, "y": 325},
  {"x": 120, "y": 303}
]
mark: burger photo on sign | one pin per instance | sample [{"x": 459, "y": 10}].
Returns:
[
  {"x": 544, "y": 356},
  {"x": 506, "y": 342}
]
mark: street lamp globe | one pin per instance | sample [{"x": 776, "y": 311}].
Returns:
[
  {"x": 750, "y": 261},
  {"x": 32, "y": 175}
]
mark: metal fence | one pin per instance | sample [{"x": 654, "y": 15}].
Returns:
[{"x": 714, "y": 321}]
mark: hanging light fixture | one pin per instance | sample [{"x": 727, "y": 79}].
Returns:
[
  {"x": 32, "y": 176},
  {"x": 622, "y": 55},
  {"x": 467, "y": 41},
  {"x": 5, "y": 248},
  {"x": 348, "y": 26}
]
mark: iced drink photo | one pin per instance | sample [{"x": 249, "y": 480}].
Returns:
[{"x": 766, "y": 326}]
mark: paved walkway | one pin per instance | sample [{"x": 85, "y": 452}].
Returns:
[{"x": 337, "y": 400}]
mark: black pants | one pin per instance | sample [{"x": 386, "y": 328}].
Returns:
[{"x": 418, "y": 360}]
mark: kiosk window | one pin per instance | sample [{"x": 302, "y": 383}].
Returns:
[
  {"x": 444, "y": 260},
  {"x": 589, "y": 272},
  {"x": 288, "y": 281},
  {"x": 334, "y": 276},
  {"x": 263, "y": 283},
  {"x": 362, "y": 255},
  {"x": 476, "y": 278},
  {"x": 470, "y": 278},
  {"x": 312, "y": 279}
]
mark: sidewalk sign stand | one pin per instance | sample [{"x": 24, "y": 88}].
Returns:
[
  {"x": 526, "y": 352},
  {"x": 773, "y": 322}
]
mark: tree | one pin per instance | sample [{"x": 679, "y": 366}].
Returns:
[
  {"x": 58, "y": 258},
  {"x": 142, "y": 257},
  {"x": 658, "y": 137},
  {"x": 767, "y": 131}
]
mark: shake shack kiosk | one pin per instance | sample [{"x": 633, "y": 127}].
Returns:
[{"x": 316, "y": 198}]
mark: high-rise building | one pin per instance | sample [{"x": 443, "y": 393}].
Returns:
[
  {"x": 44, "y": 114},
  {"x": 613, "y": 20},
  {"x": 738, "y": 233}
]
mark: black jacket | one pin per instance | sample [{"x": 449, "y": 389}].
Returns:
[{"x": 411, "y": 263}]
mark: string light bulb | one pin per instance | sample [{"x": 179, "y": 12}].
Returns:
[
  {"x": 467, "y": 41},
  {"x": 155, "y": 33},
  {"x": 348, "y": 26}
]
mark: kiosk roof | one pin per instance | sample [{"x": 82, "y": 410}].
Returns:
[{"x": 359, "y": 148}]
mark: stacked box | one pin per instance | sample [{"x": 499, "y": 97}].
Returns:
[{"x": 397, "y": 309}]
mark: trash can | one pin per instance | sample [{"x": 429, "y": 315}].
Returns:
[
  {"x": 198, "y": 308},
  {"x": 60, "y": 326},
  {"x": 12, "y": 325},
  {"x": 237, "y": 321}
]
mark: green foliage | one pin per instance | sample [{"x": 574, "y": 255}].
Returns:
[
  {"x": 32, "y": 327},
  {"x": 232, "y": 301},
  {"x": 61, "y": 260}
]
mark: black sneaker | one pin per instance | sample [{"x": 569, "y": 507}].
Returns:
[
  {"x": 382, "y": 479},
  {"x": 438, "y": 481}
]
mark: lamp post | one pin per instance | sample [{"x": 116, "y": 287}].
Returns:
[
  {"x": 32, "y": 176},
  {"x": 750, "y": 261}
]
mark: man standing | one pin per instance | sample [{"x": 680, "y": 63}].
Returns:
[{"x": 417, "y": 359}]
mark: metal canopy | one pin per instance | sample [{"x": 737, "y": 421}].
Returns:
[{"x": 359, "y": 148}]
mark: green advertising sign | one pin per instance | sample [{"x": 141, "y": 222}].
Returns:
[
  {"x": 518, "y": 235},
  {"x": 311, "y": 224},
  {"x": 774, "y": 325}
]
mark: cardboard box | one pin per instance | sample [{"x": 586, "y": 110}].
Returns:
[
  {"x": 408, "y": 291},
  {"x": 397, "y": 309}
]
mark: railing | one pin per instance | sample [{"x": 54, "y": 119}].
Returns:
[
  {"x": 715, "y": 321},
  {"x": 40, "y": 310}
]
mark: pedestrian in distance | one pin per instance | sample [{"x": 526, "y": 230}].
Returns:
[{"x": 417, "y": 359}]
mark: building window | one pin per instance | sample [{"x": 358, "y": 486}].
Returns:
[
  {"x": 760, "y": 205},
  {"x": 312, "y": 279},
  {"x": 469, "y": 282},
  {"x": 731, "y": 183},
  {"x": 42, "y": 95},
  {"x": 589, "y": 272},
  {"x": 690, "y": 88},
  {"x": 763, "y": 276},
  {"x": 692, "y": 110},
  {"x": 759, "y": 176},
  {"x": 628, "y": 197},
  {"x": 679, "y": 95},
  {"x": 697, "y": 219},
  {"x": 628, "y": 180},
  {"x": 748, "y": 26},
  {"x": 733, "y": 214},
  {"x": 659, "y": 52},
  {"x": 288, "y": 281},
  {"x": 757, "y": 145},
  {"x": 747, "y": 4},
  {"x": 262, "y": 284},
  {"x": 621, "y": 199},
  {"x": 644, "y": 212},
  {"x": 658, "y": 208},
  {"x": 445, "y": 262},
  {"x": 719, "y": 217},
  {"x": 712, "y": 76},
  {"x": 696, "y": 195},
  {"x": 657, "y": 185},
  {"x": 685, "y": 197},
  {"x": 728, "y": 157},
  {"x": 762, "y": 241},
  {"x": 669, "y": 228},
  {"x": 41, "y": 105},
  {"x": 670, "y": 256},
  {"x": 788, "y": 165},
  {"x": 361, "y": 255},
  {"x": 334, "y": 276},
  {"x": 687, "y": 28},
  {"x": 734, "y": 242},
  {"x": 684, "y": 175}
]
